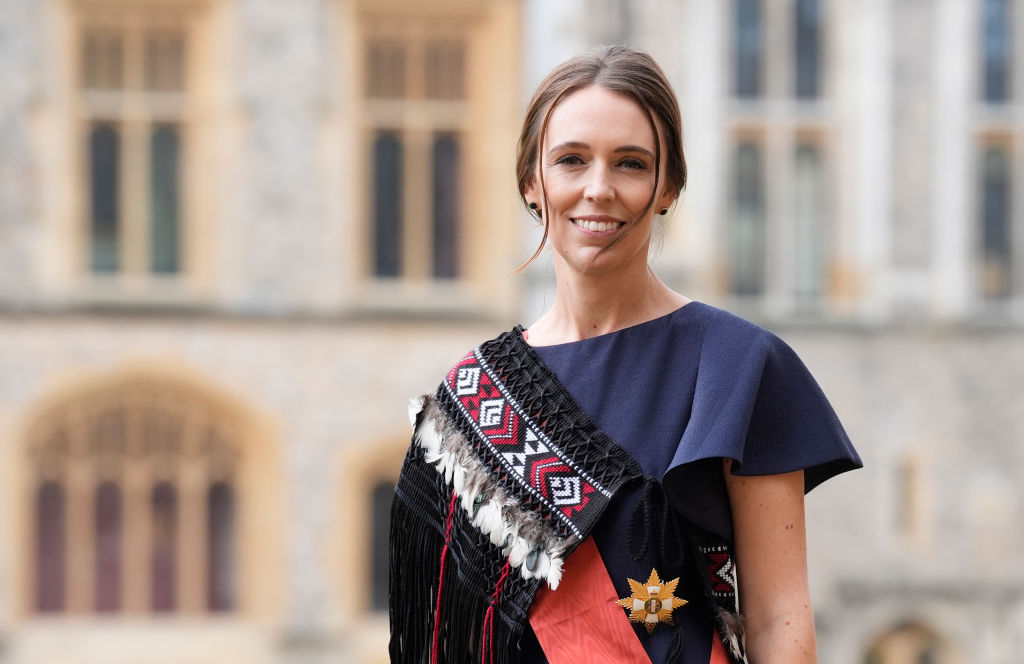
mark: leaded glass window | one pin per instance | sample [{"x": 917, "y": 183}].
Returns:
[
  {"x": 165, "y": 198},
  {"x": 748, "y": 48},
  {"x": 810, "y": 237},
  {"x": 164, "y": 542},
  {"x": 995, "y": 269},
  {"x": 108, "y": 553},
  {"x": 447, "y": 173},
  {"x": 118, "y": 527},
  {"x": 221, "y": 553},
  {"x": 387, "y": 205},
  {"x": 51, "y": 547},
  {"x": 416, "y": 88},
  {"x": 105, "y": 203},
  {"x": 133, "y": 90},
  {"x": 748, "y": 236},
  {"x": 996, "y": 50},
  {"x": 808, "y": 48}
]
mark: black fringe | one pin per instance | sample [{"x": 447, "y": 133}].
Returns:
[{"x": 473, "y": 567}]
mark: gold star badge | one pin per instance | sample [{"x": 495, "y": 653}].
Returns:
[{"x": 652, "y": 603}]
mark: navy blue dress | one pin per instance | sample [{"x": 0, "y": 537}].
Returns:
[{"x": 680, "y": 393}]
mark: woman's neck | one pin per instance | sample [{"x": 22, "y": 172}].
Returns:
[{"x": 588, "y": 305}]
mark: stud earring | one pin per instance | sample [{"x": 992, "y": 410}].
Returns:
[
  {"x": 663, "y": 212},
  {"x": 534, "y": 207}
]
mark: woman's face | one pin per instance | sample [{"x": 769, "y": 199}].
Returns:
[{"x": 598, "y": 158}]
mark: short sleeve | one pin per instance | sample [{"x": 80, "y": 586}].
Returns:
[{"x": 756, "y": 403}]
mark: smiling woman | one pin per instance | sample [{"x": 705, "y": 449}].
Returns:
[
  {"x": 599, "y": 169},
  {"x": 599, "y": 486}
]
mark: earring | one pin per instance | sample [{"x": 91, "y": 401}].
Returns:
[
  {"x": 534, "y": 207},
  {"x": 663, "y": 212}
]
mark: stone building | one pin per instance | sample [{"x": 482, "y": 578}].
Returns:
[{"x": 237, "y": 235}]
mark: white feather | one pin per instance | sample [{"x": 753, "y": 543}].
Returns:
[
  {"x": 555, "y": 572},
  {"x": 459, "y": 479},
  {"x": 543, "y": 565},
  {"x": 428, "y": 438},
  {"x": 488, "y": 520},
  {"x": 468, "y": 497},
  {"x": 520, "y": 549},
  {"x": 415, "y": 406}
]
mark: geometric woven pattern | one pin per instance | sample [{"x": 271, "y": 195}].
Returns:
[
  {"x": 721, "y": 570},
  {"x": 526, "y": 454}
]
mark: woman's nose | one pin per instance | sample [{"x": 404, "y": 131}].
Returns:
[{"x": 598, "y": 186}]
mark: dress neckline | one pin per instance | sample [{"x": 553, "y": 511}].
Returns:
[{"x": 692, "y": 304}]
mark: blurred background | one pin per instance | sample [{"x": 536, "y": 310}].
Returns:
[{"x": 237, "y": 235}]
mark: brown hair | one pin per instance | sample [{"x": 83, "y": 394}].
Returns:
[{"x": 619, "y": 69}]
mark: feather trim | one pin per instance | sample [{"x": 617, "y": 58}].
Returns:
[
  {"x": 531, "y": 547},
  {"x": 732, "y": 629}
]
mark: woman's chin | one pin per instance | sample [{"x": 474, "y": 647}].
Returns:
[{"x": 600, "y": 261}]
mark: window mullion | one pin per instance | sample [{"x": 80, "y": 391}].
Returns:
[
  {"x": 135, "y": 579},
  {"x": 416, "y": 251},
  {"x": 135, "y": 176},
  {"x": 136, "y": 170},
  {"x": 192, "y": 522}
]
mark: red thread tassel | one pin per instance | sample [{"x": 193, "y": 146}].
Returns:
[
  {"x": 440, "y": 582},
  {"x": 487, "y": 641}
]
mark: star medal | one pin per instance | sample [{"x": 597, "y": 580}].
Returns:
[{"x": 653, "y": 603}]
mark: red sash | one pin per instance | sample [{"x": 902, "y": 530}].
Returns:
[{"x": 582, "y": 617}]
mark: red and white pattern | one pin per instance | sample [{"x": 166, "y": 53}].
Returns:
[
  {"x": 521, "y": 446},
  {"x": 721, "y": 570}
]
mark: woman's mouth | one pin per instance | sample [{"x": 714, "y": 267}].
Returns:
[{"x": 596, "y": 225}]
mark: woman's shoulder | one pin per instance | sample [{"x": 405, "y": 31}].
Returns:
[{"x": 731, "y": 336}]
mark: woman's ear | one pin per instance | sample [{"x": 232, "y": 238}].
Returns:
[
  {"x": 666, "y": 201},
  {"x": 532, "y": 193}
]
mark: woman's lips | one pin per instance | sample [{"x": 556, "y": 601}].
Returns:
[{"x": 597, "y": 224}]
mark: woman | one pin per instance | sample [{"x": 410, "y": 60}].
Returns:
[{"x": 597, "y": 486}]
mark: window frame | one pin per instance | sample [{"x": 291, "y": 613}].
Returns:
[
  {"x": 984, "y": 94},
  {"x": 492, "y": 222},
  {"x": 202, "y": 118},
  {"x": 416, "y": 120},
  {"x": 99, "y": 440},
  {"x": 1009, "y": 145}
]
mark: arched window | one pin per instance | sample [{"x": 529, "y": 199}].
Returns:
[
  {"x": 447, "y": 176},
  {"x": 809, "y": 223},
  {"x": 996, "y": 50},
  {"x": 108, "y": 523},
  {"x": 748, "y": 237},
  {"x": 387, "y": 205},
  {"x": 221, "y": 554},
  {"x": 748, "y": 47},
  {"x": 164, "y": 558},
  {"x": 140, "y": 484},
  {"x": 51, "y": 550},
  {"x": 909, "y": 643},
  {"x": 995, "y": 261},
  {"x": 808, "y": 48}
]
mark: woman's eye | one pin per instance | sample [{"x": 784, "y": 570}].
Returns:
[
  {"x": 634, "y": 164},
  {"x": 569, "y": 160}
]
